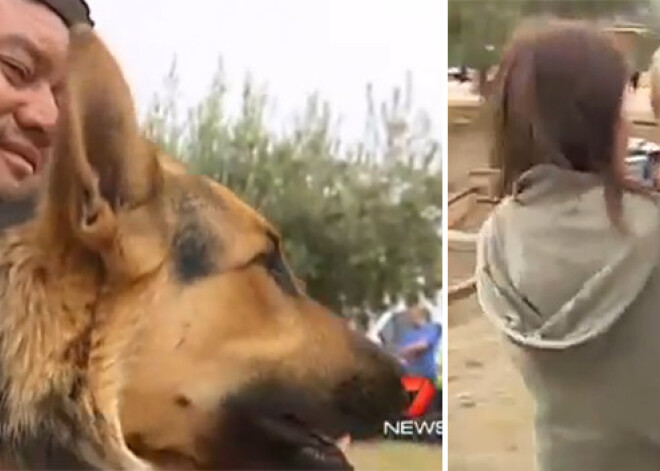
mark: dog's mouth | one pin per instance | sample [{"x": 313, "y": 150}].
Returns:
[
  {"x": 297, "y": 426},
  {"x": 264, "y": 427},
  {"x": 261, "y": 427},
  {"x": 277, "y": 442},
  {"x": 308, "y": 447},
  {"x": 264, "y": 442}
]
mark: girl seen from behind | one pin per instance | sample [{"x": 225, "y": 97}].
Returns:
[{"x": 568, "y": 263}]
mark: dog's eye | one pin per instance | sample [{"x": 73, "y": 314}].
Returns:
[
  {"x": 274, "y": 264},
  {"x": 278, "y": 270}
]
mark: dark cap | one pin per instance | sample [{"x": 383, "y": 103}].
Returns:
[{"x": 72, "y": 12}]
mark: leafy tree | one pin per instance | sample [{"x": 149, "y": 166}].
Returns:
[
  {"x": 586, "y": 8},
  {"x": 478, "y": 29},
  {"x": 360, "y": 221}
]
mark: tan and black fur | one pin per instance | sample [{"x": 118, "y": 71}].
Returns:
[{"x": 146, "y": 306}]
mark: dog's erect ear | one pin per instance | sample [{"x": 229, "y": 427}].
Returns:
[{"x": 101, "y": 163}]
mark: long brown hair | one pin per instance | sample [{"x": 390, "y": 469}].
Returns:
[{"x": 559, "y": 101}]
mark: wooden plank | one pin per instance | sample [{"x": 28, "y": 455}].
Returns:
[
  {"x": 484, "y": 171},
  {"x": 459, "y": 240},
  {"x": 462, "y": 289},
  {"x": 488, "y": 200},
  {"x": 485, "y": 180},
  {"x": 645, "y": 122},
  {"x": 460, "y": 195},
  {"x": 460, "y": 207}
]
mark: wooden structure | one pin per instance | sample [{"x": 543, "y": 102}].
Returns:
[
  {"x": 628, "y": 37},
  {"x": 637, "y": 42},
  {"x": 481, "y": 190}
]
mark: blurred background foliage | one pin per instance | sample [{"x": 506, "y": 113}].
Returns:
[
  {"x": 478, "y": 29},
  {"x": 360, "y": 220}
]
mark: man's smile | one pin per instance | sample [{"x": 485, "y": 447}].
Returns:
[{"x": 22, "y": 159}]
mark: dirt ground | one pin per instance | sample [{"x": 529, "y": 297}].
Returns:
[
  {"x": 489, "y": 424},
  {"x": 395, "y": 456}
]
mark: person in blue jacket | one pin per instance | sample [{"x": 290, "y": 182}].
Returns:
[{"x": 419, "y": 344}]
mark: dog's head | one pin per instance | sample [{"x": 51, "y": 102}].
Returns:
[{"x": 234, "y": 365}]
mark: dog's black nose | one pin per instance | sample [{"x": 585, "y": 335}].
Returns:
[{"x": 373, "y": 393}]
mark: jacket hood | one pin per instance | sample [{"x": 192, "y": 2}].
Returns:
[{"x": 552, "y": 271}]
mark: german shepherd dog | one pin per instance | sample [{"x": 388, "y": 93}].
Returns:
[{"x": 147, "y": 316}]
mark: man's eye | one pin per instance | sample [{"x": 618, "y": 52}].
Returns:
[{"x": 15, "y": 73}]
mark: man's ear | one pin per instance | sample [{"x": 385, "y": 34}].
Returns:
[{"x": 101, "y": 163}]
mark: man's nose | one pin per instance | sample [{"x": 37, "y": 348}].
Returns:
[{"x": 38, "y": 114}]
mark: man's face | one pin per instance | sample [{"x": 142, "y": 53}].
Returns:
[
  {"x": 33, "y": 49},
  {"x": 416, "y": 316}
]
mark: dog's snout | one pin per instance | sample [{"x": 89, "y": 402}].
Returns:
[{"x": 373, "y": 392}]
